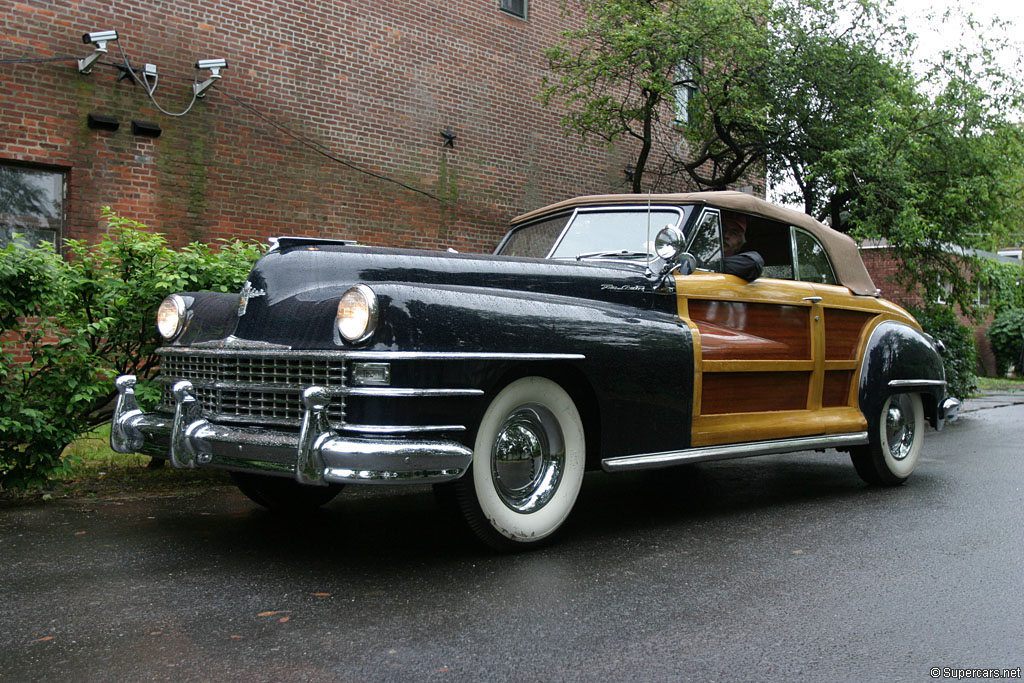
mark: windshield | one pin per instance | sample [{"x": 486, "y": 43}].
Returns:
[{"x": 620, "y": 233}]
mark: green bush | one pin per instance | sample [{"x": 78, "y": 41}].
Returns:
[
  {"x": 1007, "y": 335},
  {"x": 69, "y": 325},
  {"x": 960, "y": 357}
]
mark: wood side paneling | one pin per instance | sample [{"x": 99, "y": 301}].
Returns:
[
  {"x": 843, "y": 329},
  {"x": 836, "y": 390},
  {"x": 742, "y": 392},
  {"x": 750, "y": 331}
]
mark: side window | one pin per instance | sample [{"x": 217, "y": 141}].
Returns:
[
  {"x": 810, "y": 260},
  {"x": 535, "y": 240},
  {"x": 31, "y": 205},
  {"x": 706, "y": 243}
]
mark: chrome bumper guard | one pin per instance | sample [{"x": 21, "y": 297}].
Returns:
[
  {"x": 950, "y": 410},
  {"x": 318, "y": 455}
]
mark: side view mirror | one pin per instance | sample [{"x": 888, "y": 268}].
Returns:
[{"x": 687, "y": 263}]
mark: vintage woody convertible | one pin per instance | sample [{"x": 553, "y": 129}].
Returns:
[{"x": 603, "y": 333}]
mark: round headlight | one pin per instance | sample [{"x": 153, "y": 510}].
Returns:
[
  {"x": 170, "y": 317},
  {"x": 357, "y": 314}
]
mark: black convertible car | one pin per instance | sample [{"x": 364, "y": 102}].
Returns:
[{"x": 604, "y": 332}]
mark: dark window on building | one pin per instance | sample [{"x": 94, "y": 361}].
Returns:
[
  {"x": 685, "y": 91},
  {"x": 516, "y": 7},
  {"x": 31, "y": 204}
]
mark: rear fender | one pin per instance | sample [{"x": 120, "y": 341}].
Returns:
[{"x": 901, "y": 359}]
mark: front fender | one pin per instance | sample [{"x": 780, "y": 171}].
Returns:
[
  {"x": 901, "y": 359},
  {"x": 637, "y": 362}
]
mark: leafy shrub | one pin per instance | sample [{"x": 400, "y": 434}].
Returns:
[
  {"x": 68, "y": 326},
  {"x": 960, "y": 357},
  {"x": 1007, "y": 336}
]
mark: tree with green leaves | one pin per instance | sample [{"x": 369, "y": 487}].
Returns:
[
  {"x": 626, "y": 71},
  {"x": 821, "y": 96}
]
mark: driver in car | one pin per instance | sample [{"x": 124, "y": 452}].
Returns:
[{"x": 746, "y": 264}]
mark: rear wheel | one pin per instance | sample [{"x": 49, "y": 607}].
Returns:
[
  {"x": 528, "y": 464},
  {"x": 284, "y": 495},
  {"x": 896, "y": 437}
]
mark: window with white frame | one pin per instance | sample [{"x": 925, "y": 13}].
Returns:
[
  {"x": 685, "y": 91},
  {"x": 514, "y": 7},
  {"x": 31, "y": 204}
]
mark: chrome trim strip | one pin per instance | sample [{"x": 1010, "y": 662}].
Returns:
[
  {"x": 623, "y": 463},
  {"x": 400, "y": 429},
  {"x": 269, "y": 387},
  {"x": 459, "y": 355},
  {"x": 216, "y": 348},
  {"x": 395, "y": 392},
  {"x": 197, "y": 349},
  {"x": 916, "y": 383}
]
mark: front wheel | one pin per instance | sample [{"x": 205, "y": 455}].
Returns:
[
  {"x": 895, "y": 441},
  {"x": 528, "y": 463},
  {"x": 284, "y": 495}
]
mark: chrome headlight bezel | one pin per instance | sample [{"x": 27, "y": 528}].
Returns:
[
  {"x": 357, "y": 315},
  {"x": 170, "y": 317}
]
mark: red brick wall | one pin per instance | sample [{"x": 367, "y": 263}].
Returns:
[
  {"x": 883, "y": 268},
  {"x": 374, "y": 82}
]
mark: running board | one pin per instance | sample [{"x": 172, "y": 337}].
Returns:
[{"x": 646, "y": 461}]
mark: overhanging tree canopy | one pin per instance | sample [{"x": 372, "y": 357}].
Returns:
[{"x": 819, "y": 95}]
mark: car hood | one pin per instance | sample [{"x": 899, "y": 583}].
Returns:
[{"x": 292, "y": 293}]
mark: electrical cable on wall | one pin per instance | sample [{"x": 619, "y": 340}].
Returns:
[
  {"x": 323, "y": 150},
  {"x": 127, "y": 70}
]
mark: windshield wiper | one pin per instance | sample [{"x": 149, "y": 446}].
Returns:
[{"x": 623, "y": 253}]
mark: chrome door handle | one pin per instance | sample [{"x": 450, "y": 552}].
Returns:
[{"x": 813, "y": 299}]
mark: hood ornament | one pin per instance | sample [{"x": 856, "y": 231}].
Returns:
[{"x": 248, "y": 292}]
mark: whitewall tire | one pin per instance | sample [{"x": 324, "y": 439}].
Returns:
[
  {"x": 528, "y": 464},
  {"x": 896, "y": 439}
]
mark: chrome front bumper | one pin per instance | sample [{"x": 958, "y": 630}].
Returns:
[{"x": 317, "y": 455}]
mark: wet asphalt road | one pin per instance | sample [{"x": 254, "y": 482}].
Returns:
[{"x": 781, "y": 568}]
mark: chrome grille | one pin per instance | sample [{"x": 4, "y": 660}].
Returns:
[{"x": 255, "y": 387}]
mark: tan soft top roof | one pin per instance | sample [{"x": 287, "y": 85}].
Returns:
[{"x": 842, "y": 250}]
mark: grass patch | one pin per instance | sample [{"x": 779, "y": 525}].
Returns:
[
  {"x": 98, "y": 471},
  {"x": 1009, "y": 385}
]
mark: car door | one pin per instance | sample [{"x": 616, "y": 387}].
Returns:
[{"x": 762, "y": 367}]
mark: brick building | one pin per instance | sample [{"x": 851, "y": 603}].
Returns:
[
  {"x": 420, "y": 120},
  {"x": 884, "y": 268}
]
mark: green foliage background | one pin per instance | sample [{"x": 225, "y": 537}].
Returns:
[
  {"x": 825, "y": 97},
  {"x": 83, "y": 319},
  {"x": 1007, "y": 336},
  {"x": 960, "y": 357}
]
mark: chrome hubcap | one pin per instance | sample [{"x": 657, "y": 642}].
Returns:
[
  {"x": 899, "y": 427},
  {"x": 527, "y": 458}
]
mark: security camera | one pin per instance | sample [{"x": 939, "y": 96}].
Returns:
[
  {"x": 99, "y": 37},
  {"x": 212, "y": 64}
]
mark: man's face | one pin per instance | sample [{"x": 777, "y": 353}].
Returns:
[{"x": 733, "y": 236}]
